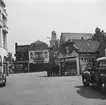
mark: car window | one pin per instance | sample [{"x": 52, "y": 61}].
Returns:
[{"x": 102, "y": 63}]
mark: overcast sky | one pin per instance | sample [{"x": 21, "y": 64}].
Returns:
[{"x": 30, "y": 20}]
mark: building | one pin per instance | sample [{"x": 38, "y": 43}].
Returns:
[
  {"x": 22, "y": 60},
  {"x": 31, "y": 58},
  {"x": 38, "y": 56},
  {"x": 76, "y": 53},
  {"x": 3, "y": 36}
]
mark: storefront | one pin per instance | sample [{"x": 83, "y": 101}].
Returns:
[
  {"x": 86, "y": 58},
  {"x": 38, "y": 56},
  {"x": 69, "y": 63},
  {"x": 21, "y": 66}
]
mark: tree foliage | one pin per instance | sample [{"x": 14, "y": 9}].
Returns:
[{"x": 98, "y": 35}]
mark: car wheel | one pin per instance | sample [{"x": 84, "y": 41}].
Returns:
[
  {"x": 85, "y": 82},
  {"x": 4, "y": 84},
  {"x": 103, "y": 88}
]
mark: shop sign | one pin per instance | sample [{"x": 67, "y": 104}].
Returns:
[{"x": 71, "y": 59}]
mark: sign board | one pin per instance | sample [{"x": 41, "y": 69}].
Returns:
[{"x": 71, "y": 59}]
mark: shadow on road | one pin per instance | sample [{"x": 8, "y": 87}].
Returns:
[{"x": 90, "y": 92}]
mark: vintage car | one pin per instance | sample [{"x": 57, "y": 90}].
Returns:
[
  {"x": 95, "y": 73},
  {"x": 2, "y": 77}
]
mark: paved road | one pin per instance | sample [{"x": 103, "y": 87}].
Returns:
[{"x": 37, "y": 89}]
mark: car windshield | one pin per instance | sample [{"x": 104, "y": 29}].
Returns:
[{"x": 102, "y": 63}]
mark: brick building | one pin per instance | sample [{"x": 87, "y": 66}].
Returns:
[{"x": 22, "y": 59}]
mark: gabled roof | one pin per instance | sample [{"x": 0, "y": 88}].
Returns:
[
  {"x": 93, "y": 45},
  {"x": 38, "y": 45},
  {"x": 66, "y": 36},
  {"x": 86, "y": 45}
]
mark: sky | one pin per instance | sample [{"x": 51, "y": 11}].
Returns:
[{"x": 30, "y": 20}]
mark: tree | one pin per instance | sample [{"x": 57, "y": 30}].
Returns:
[{"x": 98, "y": 35}]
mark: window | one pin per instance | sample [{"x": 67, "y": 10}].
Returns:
[
  {"x": 31, "y": 55},
  {"x": 45, "y": 52},
  {"x": 46, "y": 55},
  {"x": 102, "y": 63}
]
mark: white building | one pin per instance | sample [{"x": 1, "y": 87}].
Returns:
[
  {"x": 38, "y": 56},
  {"x": 3, "y": 32}
]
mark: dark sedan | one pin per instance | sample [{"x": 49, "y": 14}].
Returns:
[{"x": 95, "y": 74}]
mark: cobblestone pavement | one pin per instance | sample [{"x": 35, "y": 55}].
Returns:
[{"x": 37, "y": 89}]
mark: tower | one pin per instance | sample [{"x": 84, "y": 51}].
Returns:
[{"x": 53, "y": 38}]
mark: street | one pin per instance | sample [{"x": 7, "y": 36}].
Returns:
[{"x": 38, "y": 89}]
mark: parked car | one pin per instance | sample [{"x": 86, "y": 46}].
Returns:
[
  {"x": 95, "y": 73},
  {"x": 2, "y": 77}
]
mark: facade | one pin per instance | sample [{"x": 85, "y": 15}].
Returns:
[
  {"x": 38, "y": 56},
  {"x": 31, "y": 58},
  {"x": 75, "y": 54},
  {"x": 22, "y": 60},
  {"x": 3, "y": 36}
]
